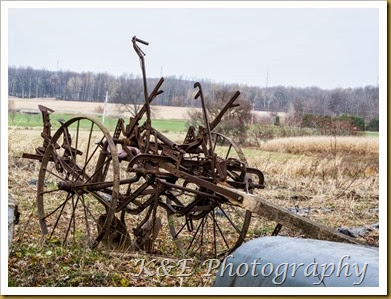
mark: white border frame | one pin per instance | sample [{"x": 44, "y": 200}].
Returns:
[{"x": 381, "y": 290}]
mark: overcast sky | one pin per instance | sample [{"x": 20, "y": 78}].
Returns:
[{"x": 297, "y": 47}]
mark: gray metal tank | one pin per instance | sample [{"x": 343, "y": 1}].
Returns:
[{"x": 294, "y": 262}]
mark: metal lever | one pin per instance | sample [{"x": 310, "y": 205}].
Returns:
[
  {"x": 207, "y": 126},
  {"x": 141, "y": 54}
]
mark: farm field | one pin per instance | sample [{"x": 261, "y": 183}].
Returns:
[
  {"x": 114, "y": 110},
  {"x": 333, "y": 181},
  {"x": 30, "y": 121}
]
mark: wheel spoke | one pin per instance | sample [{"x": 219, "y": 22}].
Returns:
[
  {"x": 89, "y": 211},
  {"x": 57, "y": 176},
  {"x": 62, "y": 205},
  {"x": 77, "y": 138},
  {"x": 86, "y": 219},
  {"x": 221, "y": 233},
  {"x": 230, "y": 221},
  {"x": 96, "y": 171},
  {"x": 214, "y": 231},
  {"x": 49, "y": 191},
  {"x": 191, "y": 243},
  {"x": 72, "y": 218},
  {"x": 48, "y": 172},
  {"x": 184, "y": 225},
  {"x": 88, "y": 144},
  {"x": 100, "y": 199},
  {"x": 82, "y": 172},
  {"x": 74, "y": 222},
  {"x": 202, "y": 232},
  {"x": 229, "y": 150},
  {"x": 59, "y": 216}
]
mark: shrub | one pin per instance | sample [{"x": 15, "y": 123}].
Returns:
[
  {"x": 356, "y": 121},
  {"x": 343, "y": 125},
  {"x": 373, "y": 125},
  {"x": 277, "y": 121},
  {"x": 315, "y": 121},
  {"x": 260, "y": 133}
]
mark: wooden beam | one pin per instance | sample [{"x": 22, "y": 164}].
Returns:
[{"x": 276, "y": 213}]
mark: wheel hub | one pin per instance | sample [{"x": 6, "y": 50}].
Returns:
[{"x": 70, "y": 187}]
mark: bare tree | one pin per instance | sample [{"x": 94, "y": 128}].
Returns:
[
  {"x": 12, "y": 109},
  {"x": 27, "y": 82},
  {"x": 235, "y": 121}
]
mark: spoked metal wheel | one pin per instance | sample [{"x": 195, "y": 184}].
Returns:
[
  {"x": 78, "y": 183},
  {"x": 212, "y": 227}
]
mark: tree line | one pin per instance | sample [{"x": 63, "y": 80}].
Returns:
[{"x": 26, "y": 82}]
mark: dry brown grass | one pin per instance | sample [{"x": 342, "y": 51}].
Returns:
[
  {"x": 323, "y": 144},
  {"x": 299, "y": 172},
  {"x": 313, "y": 173}
]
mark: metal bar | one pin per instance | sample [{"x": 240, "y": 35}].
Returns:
[
  {"x": 206, "y": 120},
  {"x": 229, "y": 193},
  {"x": 140, "y": 114},
  {"x": 230, "y": 104}
]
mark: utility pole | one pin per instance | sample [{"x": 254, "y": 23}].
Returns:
[
  {"x": 265, "y": 95},
  {"x": 252, "y": 114},
  {"x": 267, "y": 79},
  {"x": 267, "y": 91},
  {"x": 104, "y": 107}
]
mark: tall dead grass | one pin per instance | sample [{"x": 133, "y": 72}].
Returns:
[
  {"x": 323, "y": 144},
  {"x": 335, "y": 179}
]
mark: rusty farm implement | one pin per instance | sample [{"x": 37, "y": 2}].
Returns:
[{"x": 100, "y": 187}]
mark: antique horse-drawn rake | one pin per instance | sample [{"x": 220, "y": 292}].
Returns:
[{"x": 94, "y": 186}]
